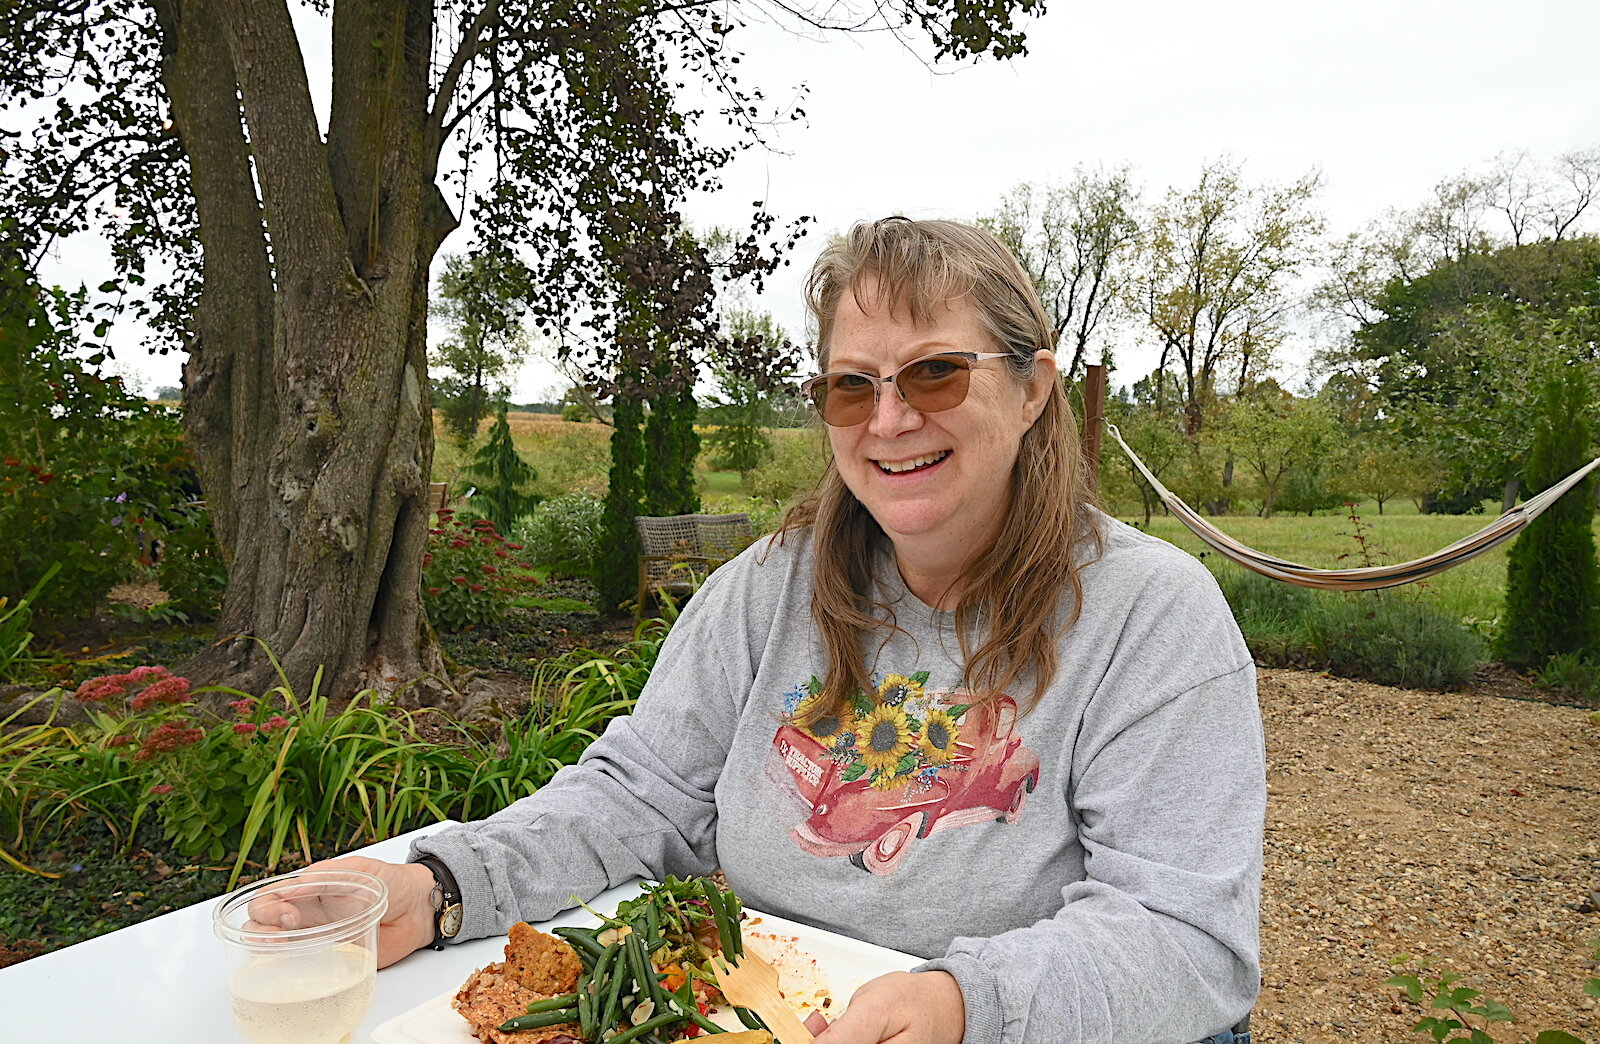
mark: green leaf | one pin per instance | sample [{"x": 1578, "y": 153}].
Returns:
[
  {"x": 1556, "y": 1037},
  {"x": 955, "y": 710},
  {"x": 1409, "y": 983},
  {"x": 1493, "y": 1011},
  {"x": 921, "y": 677},
  {"x": 906, "y": 764},
  {"x": 814, "y": 686},
  {"x": 855, "y": 772},
  {"x": 1592, "y": 988}
]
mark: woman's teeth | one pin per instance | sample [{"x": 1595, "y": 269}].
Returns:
[{"x": 895, "y": 467}]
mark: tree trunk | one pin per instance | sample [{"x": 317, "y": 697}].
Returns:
[
  {"x": 1508, "y": 499},
  {"x": 306, "y": 386}
]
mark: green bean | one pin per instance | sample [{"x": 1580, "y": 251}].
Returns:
[
  {"x": 655, "y": 1022},
  {"x": 713, "y": 900},
  {"x": 566, "y": 1000},
  {"x": 586, "y": 1010},
  {"x": 581, "y": 940},
  {"x": 610, "y": 1012},
  {"x": 539, "y": 1021},
  {"x": 652, "y": 924},
  {"x": 750, "y": 1019}
]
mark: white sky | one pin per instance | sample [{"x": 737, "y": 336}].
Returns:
[{"x": 1385, "y": 97}]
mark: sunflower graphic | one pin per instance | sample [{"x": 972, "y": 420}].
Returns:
[
  {"x": 824, "y": 728},
  {"x": 938, "y": 741},
  {"x": 896, "y": 689},
  {"x": 887, "y": 780},
  {"x": 885, "y": 738}
]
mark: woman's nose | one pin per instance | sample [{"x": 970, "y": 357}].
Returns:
[{"x": 891, "y": 415}]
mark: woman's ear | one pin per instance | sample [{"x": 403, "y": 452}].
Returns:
[{"x": 1044, "y": 377}]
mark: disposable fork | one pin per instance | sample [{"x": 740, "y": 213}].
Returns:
[{"x": 751, "y": 982}]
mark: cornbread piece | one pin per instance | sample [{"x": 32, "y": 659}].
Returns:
[
  {"x": 541, "y": 962},
  {"x": 535, "y": 969}
]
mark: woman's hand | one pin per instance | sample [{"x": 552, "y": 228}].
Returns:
[
  {"x": 407, "y": 924},
  {"x": 901, "y": 1008}
]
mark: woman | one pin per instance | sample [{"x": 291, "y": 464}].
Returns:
[{"x": 950, "y": 708}]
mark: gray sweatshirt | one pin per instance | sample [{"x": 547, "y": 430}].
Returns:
[{"x": 1088, "y": 871}]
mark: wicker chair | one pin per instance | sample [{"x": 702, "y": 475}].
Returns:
[{"x": 679, "y": 551}]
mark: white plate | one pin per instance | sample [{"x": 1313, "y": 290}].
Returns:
[{"x": 817, "y": 970}]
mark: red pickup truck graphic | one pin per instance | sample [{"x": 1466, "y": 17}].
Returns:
[{"x": 986, "y": 775}]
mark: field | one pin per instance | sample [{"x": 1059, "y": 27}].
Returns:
[{"x": 572, "y": 457}]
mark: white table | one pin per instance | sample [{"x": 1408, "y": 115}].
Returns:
[{"x": 163, "y": 981}]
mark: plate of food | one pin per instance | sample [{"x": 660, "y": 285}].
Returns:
[{"x": 592, "y": 984}]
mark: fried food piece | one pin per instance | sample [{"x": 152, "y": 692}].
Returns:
[
  {"x": 541, "y": 962},
  {"x": 537, "y": 967}
]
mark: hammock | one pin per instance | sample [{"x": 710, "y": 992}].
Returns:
[{"x": 1372, "y": 578}]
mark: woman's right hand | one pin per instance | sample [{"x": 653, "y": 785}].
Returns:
[{"x": 408, "y": 922}]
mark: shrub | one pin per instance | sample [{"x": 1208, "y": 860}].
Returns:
[
  {"x": 469, "y": 573},
  {"x": 191, "y": 570},
  {"x": 1394, "y": 641},
  {"x": 1274, "y": 617},
  {"x": 563, "y": 534},
  {"x": 83, "y": 463},
  {"x": 503, "y": 476},
  {"x": 1570, "y": 673},
  {"x": 1552, "y": 584}
]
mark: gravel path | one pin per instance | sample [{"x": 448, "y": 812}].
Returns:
[{"x": 1458, "y": 827}]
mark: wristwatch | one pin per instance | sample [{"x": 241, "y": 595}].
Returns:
[{"x": 446, "y": 902}]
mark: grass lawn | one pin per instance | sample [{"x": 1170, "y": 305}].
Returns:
[
  {"x": 1473, "y": 590},
  {"x": 721, "y": 483}
]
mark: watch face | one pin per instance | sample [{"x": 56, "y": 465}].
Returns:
[{"x": 450, "y": 920}]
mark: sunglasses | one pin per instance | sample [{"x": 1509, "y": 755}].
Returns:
[{"x": 928, "y": 385}]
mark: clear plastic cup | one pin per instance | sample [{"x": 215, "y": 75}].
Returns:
[{"x": 302, "y": 951}]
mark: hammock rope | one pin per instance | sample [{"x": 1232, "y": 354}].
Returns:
[{"x": 1370, "y": 578}]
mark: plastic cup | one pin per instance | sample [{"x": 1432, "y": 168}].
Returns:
[{"x": 302, "y": 953}]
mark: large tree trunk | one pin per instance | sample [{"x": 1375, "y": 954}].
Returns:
[{"x": 306, "y": 384}]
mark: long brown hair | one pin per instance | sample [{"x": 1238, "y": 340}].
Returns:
[{"x": 1025, "y": 592}]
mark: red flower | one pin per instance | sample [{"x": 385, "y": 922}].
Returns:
[
  {"x": 476, "y": 588},
  {"x": 491, "y": 570},
  {"x": 436, "y": 532},
  {"x": 243, "y": 707},
  {"x": 501, "y": 552},
  {"x": 274, "y": 723},
  {"x": 244, "y": 728},
  {"x": 46, "y": 478},
  {"x": 435, "y": 590},
  {"x": 161, "y": 788},
  {"x": 168, "y": 736},
  {"x": 458, "y": 579},
  {"x": 514, "y": 547},
  {"x": 167, "y": 690},
  {"x": 95, "y": 690},
  {"x": 427, "y": 558},
  {"x": 140, "y": 674},
  {"x": 458, "y": 542}
]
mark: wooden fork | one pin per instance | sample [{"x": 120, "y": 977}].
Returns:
[{"x": 751, "y": 982}]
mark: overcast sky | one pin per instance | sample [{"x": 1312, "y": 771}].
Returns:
[{"x": 1385, "y": 97}]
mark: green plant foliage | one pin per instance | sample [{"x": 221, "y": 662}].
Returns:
[
  {"x": 84, "y": 465},
  {"x": 670, "y": 450},
  {"x": 1273, "y": 617},
  {"x": 190, "y": 569},
  {"x": 797, "y": 463},
  {"x": 619, "y": 551},
  {"x": 281, "y": 771},
  {"x": 1552, "y": 583},
  {"x": 470, "y": 573},
  {"x": 1394, "y": 641},
  {"x": 502, "y": 493},
  {"x": 1468, "y": 1015},
  {"x": 1571, "y": 674},
  {"x": 563, "y": 534},
  {"x": 16, "y": 658}
]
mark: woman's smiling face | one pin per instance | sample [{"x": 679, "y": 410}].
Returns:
[{"x": 933, "y": 480}]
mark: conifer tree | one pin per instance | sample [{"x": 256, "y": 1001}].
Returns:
[
  {"x": 1552, "y": 586},
  {"x": 504, "y": 476}
]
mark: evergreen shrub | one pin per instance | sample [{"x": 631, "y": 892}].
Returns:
[{"x": 1552, "y": 586}]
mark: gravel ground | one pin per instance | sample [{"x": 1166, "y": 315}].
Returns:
[{"x": 1460, "y": 827}]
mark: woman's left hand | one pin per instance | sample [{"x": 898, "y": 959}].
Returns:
[{"x": 901, "y": 1008}]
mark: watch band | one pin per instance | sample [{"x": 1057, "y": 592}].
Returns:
[{"x": 447, "y": 908}]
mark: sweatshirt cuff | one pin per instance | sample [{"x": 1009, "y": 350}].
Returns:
[
  {"x": 980, "y": 992},
  {"x": 480, "y": 915}
]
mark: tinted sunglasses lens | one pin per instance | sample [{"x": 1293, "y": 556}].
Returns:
[
  {"x": 843, "y": 399},
  {"x": 932, "y": 385}
]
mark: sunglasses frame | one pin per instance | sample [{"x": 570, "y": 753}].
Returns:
[{"x": 878, "y": 382}]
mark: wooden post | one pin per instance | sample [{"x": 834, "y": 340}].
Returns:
[{"x": 1094, "y": 416}]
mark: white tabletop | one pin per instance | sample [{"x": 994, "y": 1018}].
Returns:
[{"x": 163, "y": 980}]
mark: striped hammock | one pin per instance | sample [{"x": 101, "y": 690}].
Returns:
[{"x": 1371, "y": 578}]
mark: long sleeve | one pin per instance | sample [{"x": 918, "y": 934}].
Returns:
[
  {"x": 639, "y": 802},
  {"x": 1159, "y": 943}
]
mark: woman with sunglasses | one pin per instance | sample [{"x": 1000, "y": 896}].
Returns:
[{"x": 949, "y": 708}]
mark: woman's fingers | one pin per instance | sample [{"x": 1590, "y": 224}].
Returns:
[
  {"x": 407, "y": 923},
  {"x": 902, "y": 1008},
  {"x": 816, "y": 1022}
]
